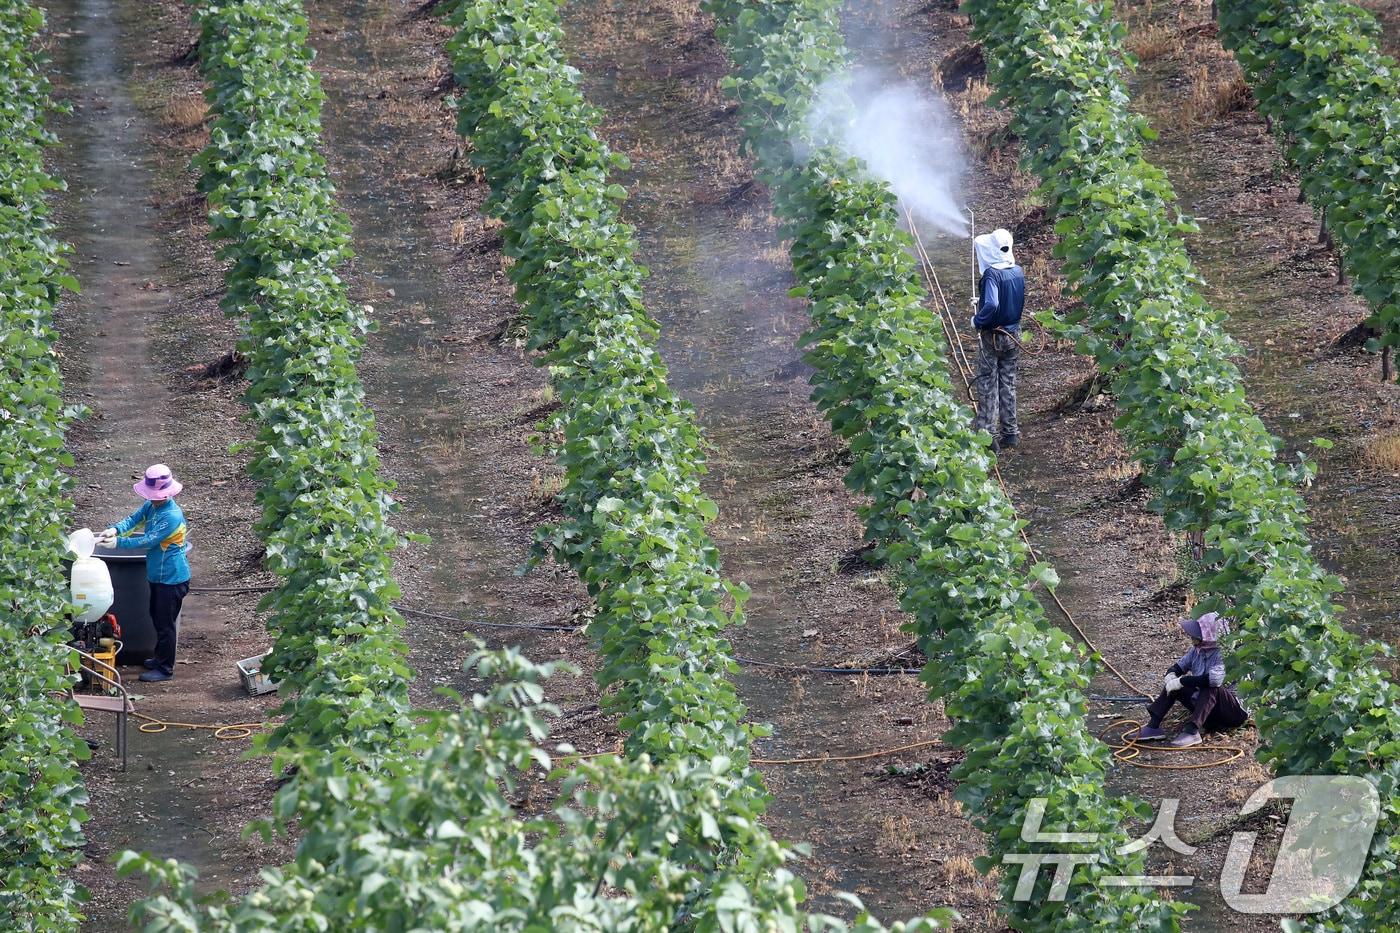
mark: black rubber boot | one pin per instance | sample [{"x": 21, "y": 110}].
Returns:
[{"x": 1010, "y": 441}]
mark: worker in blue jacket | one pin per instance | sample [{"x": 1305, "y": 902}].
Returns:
[
  {"x": 1000, "y": 301},
  {"x": 158, "y": 528}
]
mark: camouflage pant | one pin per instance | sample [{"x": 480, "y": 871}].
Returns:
[{"x": 996, "y": 383}]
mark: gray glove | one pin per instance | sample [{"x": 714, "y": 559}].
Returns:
[
  {"x": 1171, "y": 682},
  {"x": 107, "y": 538}
]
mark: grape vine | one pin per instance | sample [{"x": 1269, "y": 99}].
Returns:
[
  {"x": 42, "y": 798},
  {"x": 1013, "y": 682},
  {"x": 325, "y": 505},
  {"x": 1322, "y": 704},
  {"x": 1334, "y": 98}
]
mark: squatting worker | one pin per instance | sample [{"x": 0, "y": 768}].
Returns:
[
  {"x": 1000, "y": 300},
  {"x": 158, "y": 528},
  {"x": 1197, "y": 682}
]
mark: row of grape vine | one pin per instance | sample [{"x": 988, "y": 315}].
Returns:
[
  {"x": 1318, "y": 72},
  {"x": 1012, "y": 681},
  {"x": 1322, "y": 703},
  {"x": 42, "y": 797}
]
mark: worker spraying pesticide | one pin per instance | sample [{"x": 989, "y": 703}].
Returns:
[
  {"x": 1000, "y": 299},
  {"x": 158, "y": 527}
]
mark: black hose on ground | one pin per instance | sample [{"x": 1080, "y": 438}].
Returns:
[{"x": 804, "y": 669}]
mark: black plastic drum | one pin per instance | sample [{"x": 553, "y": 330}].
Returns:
[{"x": 131, "y": 602}]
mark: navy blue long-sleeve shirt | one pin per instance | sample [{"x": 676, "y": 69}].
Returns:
[{"x": 1002, "y": 300}]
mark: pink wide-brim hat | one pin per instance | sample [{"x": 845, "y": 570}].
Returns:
[
  {"x": 1207, "y": 628},
  {"x": 159, "y": 483}
]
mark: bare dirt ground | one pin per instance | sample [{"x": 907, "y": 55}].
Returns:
[
  {"x": 787, "y": 526},
  {"x": 1259, "y": 252},
  {"x": 145, "y": 318},
  {"x": 187, "y": 795},
  {"x": 457, "y": 400}
]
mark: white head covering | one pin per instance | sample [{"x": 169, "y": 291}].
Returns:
[{"x": 994, "y": 250}]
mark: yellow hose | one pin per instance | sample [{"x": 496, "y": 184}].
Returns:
[
  {"x": 1128, "y": 749},
  {"x": 222, "y": 731}
]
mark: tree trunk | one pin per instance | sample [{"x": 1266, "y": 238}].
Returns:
[{"x": 1198, "y": 544}]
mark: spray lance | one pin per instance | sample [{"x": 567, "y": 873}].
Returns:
[{"x": 972, "y": 220}]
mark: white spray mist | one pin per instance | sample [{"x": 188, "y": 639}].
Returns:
[{"x": 905, "y": 138}]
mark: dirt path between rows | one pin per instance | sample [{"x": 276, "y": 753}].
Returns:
[
  {"x": 787, "y": 526},
  {"x": 143, "y": 317},
  {"x": 1259, "y": 253},
  {"x": 456, "y": 404}
]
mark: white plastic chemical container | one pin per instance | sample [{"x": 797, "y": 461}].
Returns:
[{"x": 91, "y": 582}]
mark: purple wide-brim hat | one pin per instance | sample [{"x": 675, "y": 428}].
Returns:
[{"x": 158, "y": 484}]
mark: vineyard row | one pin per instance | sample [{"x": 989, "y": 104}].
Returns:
[
  {"x": 42, "y": 798},
  {"x": 1334, "y": 99},
  {"x": 1322, "y": 704},
  {"x": 1013, "y": 682}
]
